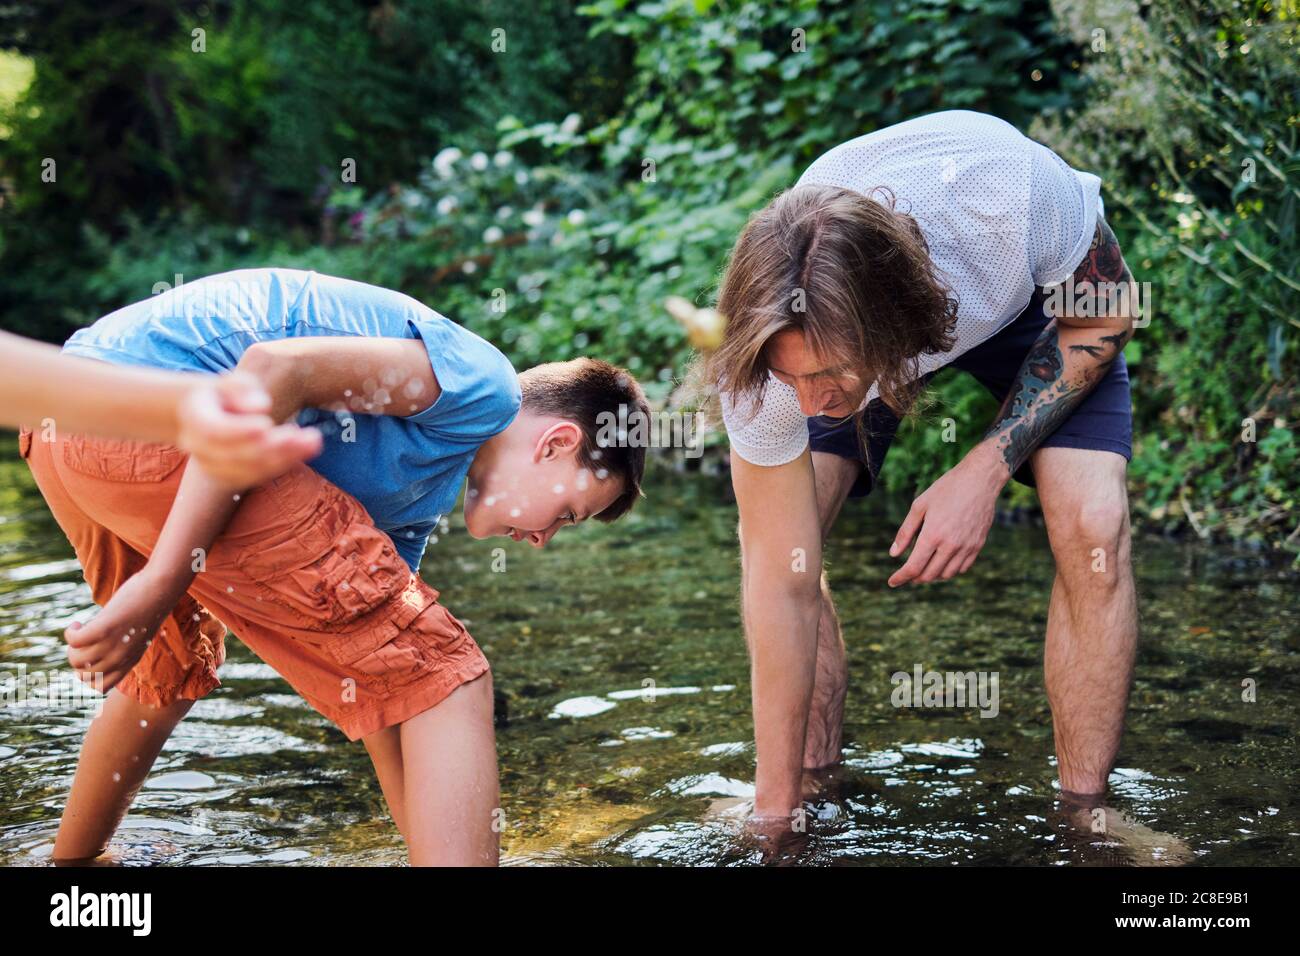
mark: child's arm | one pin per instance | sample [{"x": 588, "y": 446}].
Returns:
[
  {"x": 374, "y": 376},
  {"x": 115, "y": 639},
  {"x": 377, "y": 376},
  {"x": 221, "y": 420}
]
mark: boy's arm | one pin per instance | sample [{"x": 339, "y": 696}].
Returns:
[
  {"x": 201, "y": 511},
  {"x": 110, "y": 644},
  {"x": 373, "y": 376}
]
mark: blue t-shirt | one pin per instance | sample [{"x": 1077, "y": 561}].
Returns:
[{"x": 407, "y": 472}]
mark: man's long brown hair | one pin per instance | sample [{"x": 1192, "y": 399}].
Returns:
[{"x": 850, "y": 272}]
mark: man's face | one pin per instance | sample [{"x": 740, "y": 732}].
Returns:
[
  {"x": 824, "y": 386},
  {"x": 537, "y": 485}
]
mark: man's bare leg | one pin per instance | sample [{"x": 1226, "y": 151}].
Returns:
[
  {"x": 823, "y": 742},
  {"x": 1092, "y": 617},
  {"x": 116, "y": 756}
]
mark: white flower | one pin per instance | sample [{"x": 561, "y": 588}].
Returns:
[
  {"x": 505, "y": 212},
  {"x": 521, "y": 177},
  {"x": 446, "y": 205},
  {"x": 503, "y": 157},
  {"x": 479, "y": 161},
  {"x": 534, "y": 217},
  {"x": 492, "y": 234},
  {"x": 576, "y": 217},
  {"x": 570, "y": 124},
  {"x": 445, "y": 160},
  {"x": 469, "y": 266}
]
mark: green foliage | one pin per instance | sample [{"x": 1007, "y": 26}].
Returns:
[
  {"x": 719, "y": 115},
  {"x": 613, "y": 155},
  {"x": 1192, "y": 124},
  {"x": 250, "y": 121}
]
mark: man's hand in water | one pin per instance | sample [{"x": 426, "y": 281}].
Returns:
[
  {"x": 953, "y": 517},
  {"x": 116, "y": 638}
]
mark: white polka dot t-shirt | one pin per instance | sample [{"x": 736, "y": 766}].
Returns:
[{"x": 1001, "y": 214}]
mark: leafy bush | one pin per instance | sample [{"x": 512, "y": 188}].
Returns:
[
  {"x": 561, "y": 236},
  {"x": 250, "y": 122},
  {"x": 1191, "y": 124},
  {"x": 725, "y": 105}
]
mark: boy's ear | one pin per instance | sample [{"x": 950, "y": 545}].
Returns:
[{"x": 560, "y": 440}]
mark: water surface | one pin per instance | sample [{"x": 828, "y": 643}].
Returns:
[{"x": 595, "y": 770}]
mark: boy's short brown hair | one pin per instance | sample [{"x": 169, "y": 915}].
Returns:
[{"x": 584, "y": 391}]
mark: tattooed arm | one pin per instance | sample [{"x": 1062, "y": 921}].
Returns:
[
  {"x": 1071, "y": 356},
  {"x": 1073, "y": 353}
]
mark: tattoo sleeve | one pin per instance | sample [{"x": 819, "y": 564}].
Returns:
[{"x": 1067, "y": 360}]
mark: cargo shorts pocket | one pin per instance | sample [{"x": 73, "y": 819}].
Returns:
[
  {"x": 328, "y": 567},
  {"x": 116, "y": 459},
  {"x": 420, "y": 637}
]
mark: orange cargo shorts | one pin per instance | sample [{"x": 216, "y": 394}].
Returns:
[{"x": 301, "y": 575}]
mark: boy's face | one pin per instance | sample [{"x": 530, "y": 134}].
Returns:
[{"x": 533, "y": 483}]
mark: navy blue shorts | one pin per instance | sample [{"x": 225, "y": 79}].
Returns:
[{"x": 1102, "y": 422}]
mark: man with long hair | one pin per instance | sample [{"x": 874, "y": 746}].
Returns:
[{"x": 951, "y": 239}]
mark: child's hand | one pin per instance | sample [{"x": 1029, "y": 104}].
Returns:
[
  {"x": 227, "y": 428},
  {"x": 116, "y": 638}
]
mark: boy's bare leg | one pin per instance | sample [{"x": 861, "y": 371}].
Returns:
[
  {"x": 116, "y": 756},
  {"x": 449, "y": 767},
  {"x": 385, "y": 747}
]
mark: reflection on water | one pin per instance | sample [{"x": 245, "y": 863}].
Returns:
[{"x": 624, "y": 675}]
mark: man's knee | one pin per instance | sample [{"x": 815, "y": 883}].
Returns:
[{"x": 1090, "y": 540}]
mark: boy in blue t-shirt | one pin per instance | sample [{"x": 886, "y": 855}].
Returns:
[{"x": 317, "y": 570}]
